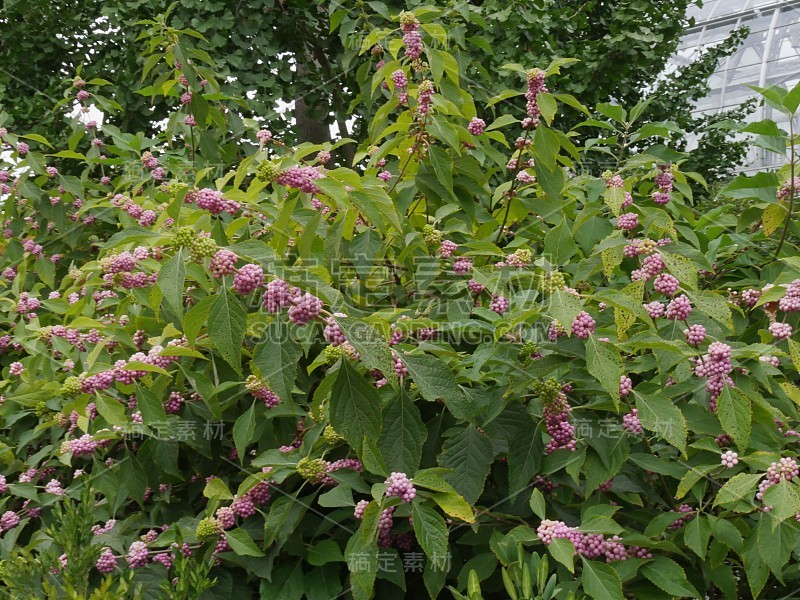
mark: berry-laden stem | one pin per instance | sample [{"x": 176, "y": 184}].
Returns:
[
  {"x": 649, "y": 448},
  {"x": 513, "y": 191},
  {"x": 791, "y": 190}
]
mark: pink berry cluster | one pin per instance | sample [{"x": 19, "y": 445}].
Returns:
[
  {"x": 304, "y": 309},
  {"x": 343, "y": 463},
  {"x": 260, "y": 390},
  {"x": 785, "y": 469},
  {"x": 780, "y": 331},
  {"x": 631, "y": 424},
  {"x": 590, "y": 545},
  {"x": 212, "y": 201},
  {"x": 655, "y": 309},
  {"x": 412, "y": 39},
  {"x": 137, "y": 555},
  {"x": 729, "y": 459},
  {"x": 424, "y": 97},
  {"x": 107, "y": 562},
  {"x": 462, "y": 265},
  {"x": 666, "y": 284},
  {"x": 332, "y": 332},
  {"x": 301, "y": 178},
  {"x": 223, "y": 263},
  {"x": 536, "y": 86},
  {"x": 8, "y": 520},
  {"x": 399, "y": 486},
  {"x": 556, "y": 415},
  {"x": 625, "y": 386},
  {"x": 715, "y": 366},
  {"x": 687, "y": 512},
  {"x": 583, "y": 325},
  {"x": 174, "y": 403},
  {"x": 248, "y": 278},
  {"x": 499, "y": 304},
  {"x": 628, "y": 221},
  {"x": 679, "y": 308},
  {"x": 277, "y": 296},
  {"x": 476, "y": 126},
  {"x": 695, "y": 335},
  {"x": 447, "y": 248},
  {"x": 785, "y": 191}
]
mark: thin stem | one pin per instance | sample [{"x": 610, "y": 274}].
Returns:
[
  {"x": 513, "y": 190},
  {"x": 624, "y": 144},
  {"x": 791, "y": 190}
]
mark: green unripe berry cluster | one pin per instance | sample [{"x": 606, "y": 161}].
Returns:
[
  {"x": 267, "y": 171},
  {"x": 330, "y": 435},
  {"x": 548, "y": 390},
  {"x": 552, "y": 282},
  {"x": 207, "y": 529},
  {"x": 202, "y": 247},
  {"x": 431, "y": 235},
  {"x": 311, "y": 468},
  {"x": 527, "y": 351},
  {"x": 184, "y": 236},
  {"x": 332, "y": 354},
  {"x": 71, "y": 387}
]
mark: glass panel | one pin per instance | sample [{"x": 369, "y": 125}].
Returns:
[
  {"x": 702, "y": 14},
  {"x": 729, "y": 7}
]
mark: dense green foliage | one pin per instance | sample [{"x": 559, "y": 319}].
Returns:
[
  {"x": 468, "y": 364},
  {"x": 308, "y": 52}
]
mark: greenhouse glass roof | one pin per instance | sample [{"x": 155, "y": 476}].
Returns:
[{"x": 769, "y": 56}]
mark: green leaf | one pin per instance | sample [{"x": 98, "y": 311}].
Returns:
[
  {"x": 547, "y": 106},
  {"x": 373, "y": 348},
  {"x": 614, "y": 197},
  {"x": 325, "y": 552},
  {"x": 355, "y": 409},
  {"x": 362, "y": 561},
  {"x": 775, "y": 544},
  {"x": 537, "y": 503},
  {"x": 784, "y": 500},
  {"x": 111, "y": 410},
  {"x": 682, "y": 268},
  {"x": 668, "y": 576},
  {"x": 242, "y": 544},
  {"x": 469, "y": 453},
  {"x": 714, "y": 305},
  {"x": 226, "y": 326},
  {"x": 403, "y": 434},
  {"x": 217, "y": 490},
  {"x": 243, "y": 430},
  {"x": 564, "y": 307},
  {"x": 564, "y": 552},
  {"x": 559, "y": 245},
  {"x": 454, "y": 505},
  {"x": 604, "y": 364},
  {"x": 738, "y": 488},
  {"x": 372, "y": 458},
  {"x": 524, "y": 454},
  {"x": 276, "y": 359},
  {"x": 601, "y": 581},
  {"x": 171, "y": 280},
  {"x": 436, "y": 381},
  {"x": 696, "y": 535},
  {"x": 794, "y": 354},
  {"x": 431, "y": 531},
  {"x": 735, "y": 413},
  {"x": 659, "y": 415}
]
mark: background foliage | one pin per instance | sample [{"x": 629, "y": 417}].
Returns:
[{"x": 234, "y": 365}]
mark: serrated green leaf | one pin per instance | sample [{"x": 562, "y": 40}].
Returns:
[
  {"x": 403, "y": 434},
  {"x": 659, "y": 415},
  {"x": 226, "y": 326},
  {"x": 354, "y": 407},
  {"x": 735, "y": 413},
  {"x": 469, "y": 454},
  {"x": 668, "y": 576},
  {"x": 601, "y": 581}
]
